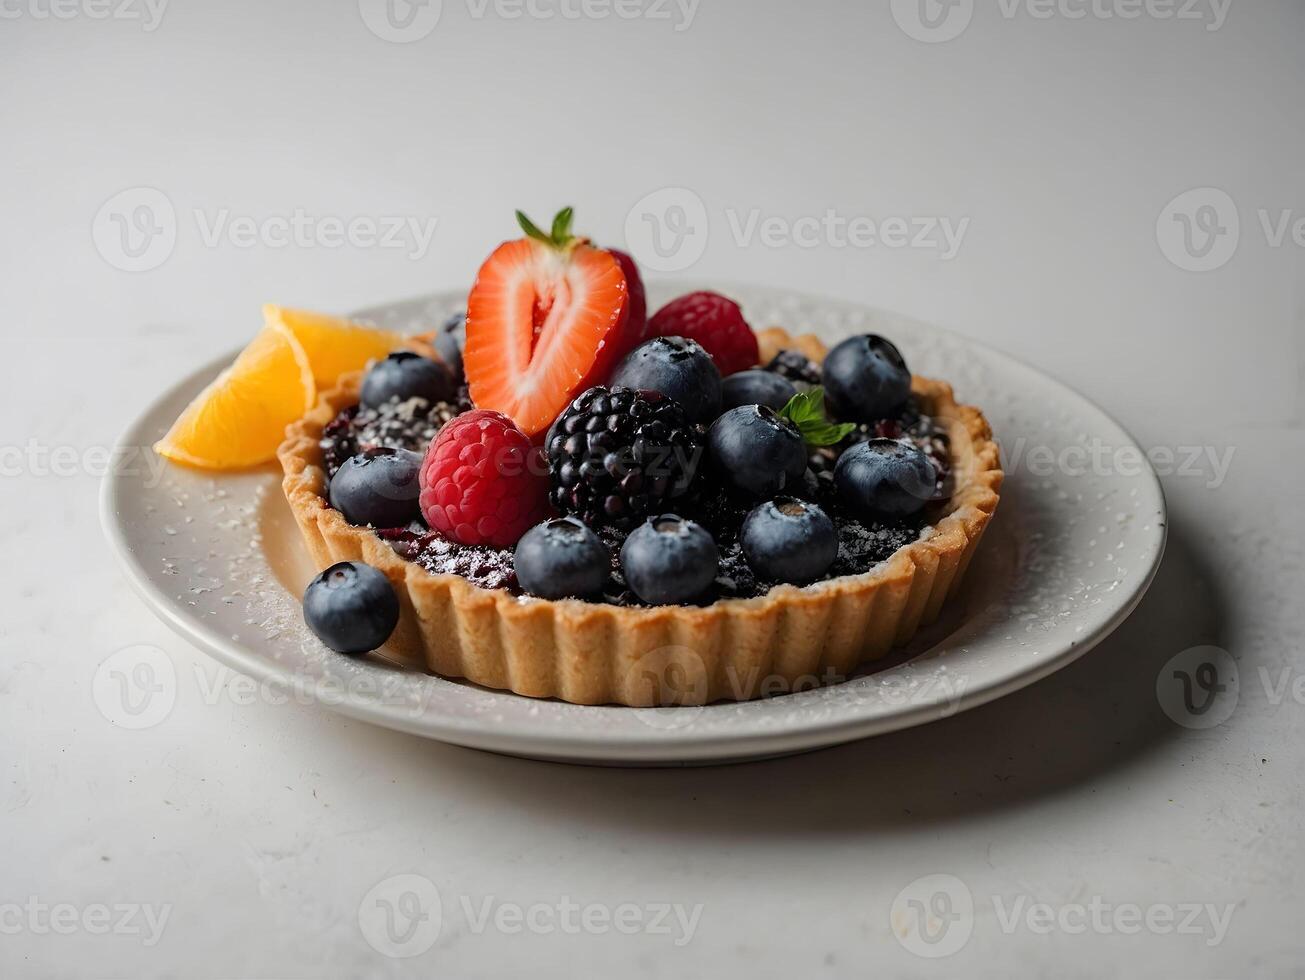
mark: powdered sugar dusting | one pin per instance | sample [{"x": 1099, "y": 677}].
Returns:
[{"x": 1045, "y": 583}]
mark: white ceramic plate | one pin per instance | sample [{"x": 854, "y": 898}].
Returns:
[{"x": 1076, "y": 541}]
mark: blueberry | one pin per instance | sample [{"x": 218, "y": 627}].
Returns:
[
  {"x": 885, "y": 478},
  {"x": 679, "y": 369},
  {"x": 351, "y": 607},
  {"x": 669, "y": 560},
  {"x": 866, "y": 379},
  {"x": 562, "y": 558},
  {"x": 754, "y": 450},
  {"x": 756, "y": 387},
  {"x": 789, "y": 540},
  {"x": 451, "y": 340},
  {"x": 405, "y": 374},
  {"x": 379, "y": 487}
]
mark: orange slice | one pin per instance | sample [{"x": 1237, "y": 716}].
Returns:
[
  {"x": 334, "y": 346},
  {"x": 240, "y": 419}
]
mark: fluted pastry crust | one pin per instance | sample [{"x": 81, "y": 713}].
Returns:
[{"x": 734, "y": 649}]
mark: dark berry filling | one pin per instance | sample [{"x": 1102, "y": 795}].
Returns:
[
  {"x": 490, "y": 568},
  {"x": 795, "y": 366},
  {"x": 720, "y": 510},
  {"x": 407, "y": 425}
]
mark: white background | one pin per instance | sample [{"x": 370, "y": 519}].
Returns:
[{"x": 1062, "y": 139}]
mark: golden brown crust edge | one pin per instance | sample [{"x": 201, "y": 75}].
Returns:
[{"x": 734, "y": 649}]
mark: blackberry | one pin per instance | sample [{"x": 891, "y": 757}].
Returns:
[
  {"x": 615, "y": 456},
  {"x": 719, "y": 510},
  {"x": 820, "y": 466},
  {"x": 463, "y": 402},
  {"x": 906, "y": 423},
  {"x": 795, "y": 366},
  {"x": 338, "y": 442}
]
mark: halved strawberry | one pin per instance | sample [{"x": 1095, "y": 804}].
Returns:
[
  {"x": 637, "y": 327},
  {"x": 546, "y": 318}
]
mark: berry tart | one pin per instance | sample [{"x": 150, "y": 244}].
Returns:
[{"x": 558, "y": 495}]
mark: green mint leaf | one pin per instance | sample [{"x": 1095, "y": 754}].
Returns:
[
  {"x": 806, "y": 410},
  {"x": 531, "y": 229},
  {"x": 562, "y": 226},
  {"x": 816, "y": 434}
]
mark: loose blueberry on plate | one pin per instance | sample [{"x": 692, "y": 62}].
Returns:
[
  {"x": 562, "y": 558},
  {"x": 405, "y": 374},
  {"x": 351, "y": 607},
  {"x": 450, "y": 341},
  {"x": 616, "y": 455},
  {"x": 669, "y": 560},
  {"x": 789, "y": 540},
  {"x": 379, "y": 487},
  {"x": 866, "y": 379},
  {"x": 754, "y": 450},
  {"x": 885, "y": 478},
  {"x": 756, "y": 387},
  {"x": 679, "y": 369}
]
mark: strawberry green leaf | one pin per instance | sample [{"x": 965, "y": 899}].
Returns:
[
  {"x": 559, "y": 237},
  {"x": 531, "y": 229},
  {"x": 562, "y": 226},
  {"x": 806, "y": 410}
]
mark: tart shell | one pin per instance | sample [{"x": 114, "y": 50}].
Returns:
[{"x": 733, "y": 650}]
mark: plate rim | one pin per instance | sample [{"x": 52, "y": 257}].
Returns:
[{"x": 653, "y": 743}]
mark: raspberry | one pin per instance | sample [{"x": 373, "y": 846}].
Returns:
[
  {"x": 714, "y": 321},
  {"x": 482, "y": 482}
]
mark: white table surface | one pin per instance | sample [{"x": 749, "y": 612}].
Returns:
[{"x": 259, "y": 828}]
